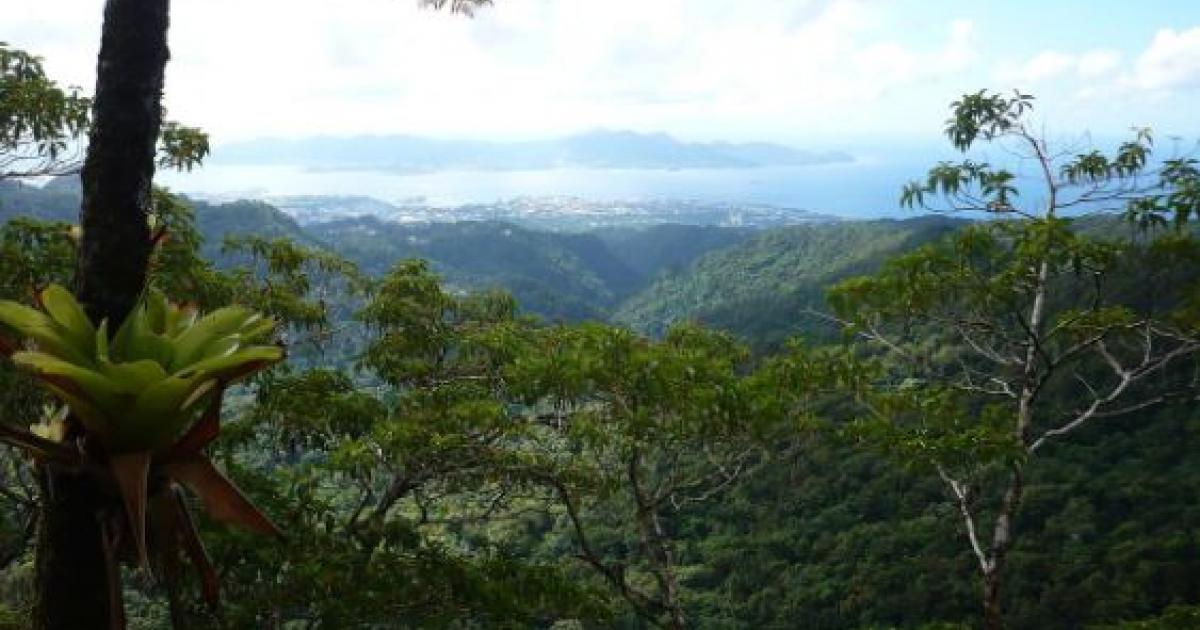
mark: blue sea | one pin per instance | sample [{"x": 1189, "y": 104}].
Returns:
[{"x": 868, "y": 187}]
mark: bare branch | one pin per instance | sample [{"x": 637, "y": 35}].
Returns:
[
  {"x": 870, "y": 333},
  {"x": 465, "y": 7},
  {"x": 962, "y": 499},
  {"x": 1126, "y": 378}
]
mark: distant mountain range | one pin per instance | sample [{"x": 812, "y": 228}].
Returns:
[{"x": 597, "y": 149}]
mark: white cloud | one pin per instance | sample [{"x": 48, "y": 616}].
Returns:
[
  {"x": 882, "y": 67},
  {"x": 1169, "y": 64},
  {"x": 1052, "y": 65},
  {"x": 1047, "y": 65},
  {"x": 244, "y": 68},
  {"x": 1171, "y": 61},
  {"x": 1097, "y": 64}
]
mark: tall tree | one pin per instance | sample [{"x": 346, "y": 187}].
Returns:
[
  {"x": 1002, "y": 340},
  {"x": 634, "y": 435},
  {"x": 113, "y": 253}
]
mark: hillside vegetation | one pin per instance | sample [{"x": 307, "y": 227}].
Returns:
[
  {"x": 214, "y": 416},
  {"x": 760, "y": 289},
  {"x": 823, "y": 534},
  {"x": 560, "y": 276}
]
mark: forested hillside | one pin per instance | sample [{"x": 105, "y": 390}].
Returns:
[
  {"x": 832, "y": 537},
  {"x": 763, "y": 288},
  {"x": 828, "y": 534},
  {"x": 560, "y": 276},
  {"x": 754, "y": 283},
  {"x": 668, "y": 248},
  {"x": 567, "y": 276},
  {"x": 57, "y": 201},
  {"x": 556, "y": 275},
  {"x": 214, "y": 416}
]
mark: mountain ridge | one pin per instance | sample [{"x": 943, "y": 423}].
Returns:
[
  {"x": 602, "y": 149},
  {"x": 760, "y": 288}
]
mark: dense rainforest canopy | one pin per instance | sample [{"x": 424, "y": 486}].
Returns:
[{"x": 925, "y": 423}]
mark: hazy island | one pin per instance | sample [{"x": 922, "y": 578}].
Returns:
[{"x": 596, "y": 149}]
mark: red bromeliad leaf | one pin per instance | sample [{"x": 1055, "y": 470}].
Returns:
[
  {"x": 206, "y": 429},
  {"x": 131, "y": 471},
  {"x": 245, "y": 370},
  {"x": 210, "y": 584},
  {"x": 222, "y": 499}
]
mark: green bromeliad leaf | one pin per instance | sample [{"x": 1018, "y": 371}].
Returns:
[
  {"x": 106, "y": 393},
  {"x": 160, "y": 415},
  {"x": 136, "y": 376},
  {"x": 49, "y": 335},
  {"x": 191, "y": 343},
  {"x": 143, "y": 389},
  {"x": 231, "y": 362},
  {"x": 66, "y": 312}
]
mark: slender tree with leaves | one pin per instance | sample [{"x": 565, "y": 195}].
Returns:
[{"x": 972, "y": 345}]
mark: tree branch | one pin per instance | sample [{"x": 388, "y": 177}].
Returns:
[{"x": 962, "y": 500}]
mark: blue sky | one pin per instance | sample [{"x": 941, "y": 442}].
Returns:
[{"x": 808, "y": 72}]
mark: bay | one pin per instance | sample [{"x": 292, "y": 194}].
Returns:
[{"x": 866, "y": 188}]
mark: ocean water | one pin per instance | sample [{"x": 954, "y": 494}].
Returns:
[{"x": 866, "y": 188}]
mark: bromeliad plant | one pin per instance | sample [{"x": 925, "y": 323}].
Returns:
[{"x": 140, "y": 408}]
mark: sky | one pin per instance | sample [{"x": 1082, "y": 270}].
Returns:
[{"x": 820, "y": 73}]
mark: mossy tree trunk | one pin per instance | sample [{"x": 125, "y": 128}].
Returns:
[{"x": 75, "y": 583}]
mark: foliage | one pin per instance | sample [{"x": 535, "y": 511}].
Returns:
[
  {"x": 1174, "y": 617},
  {"x": 141, "y": 389},
  {"x": 637, "y": 434},
  {"x": 135, "y": 406},
  {"x": 764, "y": 288},
  {"x": 42, "y": 124},
  {"x": 1000, "y": 341},
  {"x": 389, "y": 478},
  {"x": 38, "y": 119},
  {"x": 460, "y": 464}
]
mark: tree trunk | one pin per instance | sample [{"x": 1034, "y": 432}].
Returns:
[
  {"x": 74, "y": 582},
  {"x": 1002, "y": 540},
  {"x": 74, "y": 579},
  {"x": 993, "y": 614},
  {"x": 119, "y": 169},
  {"x": 666, "y": 560},
  {"x": 657, "y": 546}
]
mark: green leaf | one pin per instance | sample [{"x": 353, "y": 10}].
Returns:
[
  {"x": 102, "y": 391},
  {"x": 136, "y": 376},
  {"x": 224, "y": 365},
  {"x": 157, "y": 307},
  {"x": 155, "y": 419},
  {"x": 48, "y": 334},
  {"x": 63, "y": 309},
  {"x": 102, "y": 342},
  {"x": 191, "y": 344}
]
